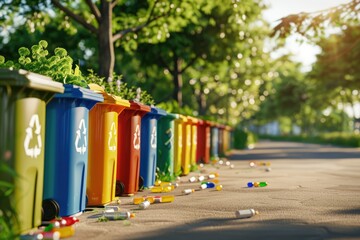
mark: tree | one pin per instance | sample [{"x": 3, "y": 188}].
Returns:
[
  {"x": 313, "y": 24},
  {"x": 110, "y": 22}
]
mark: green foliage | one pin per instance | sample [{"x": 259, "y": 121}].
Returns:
[
  {"x": 335, "y": 138},
  {"x": 58, "y": 66},
  {"x": 173, "y": 107},
  {"x": 243, "y": 138},
  {"x": 116, "y": 87},
  {"x": 8, "y": 215}
]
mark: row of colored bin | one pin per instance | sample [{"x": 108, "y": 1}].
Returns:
[{"x": 92, "y": 145}]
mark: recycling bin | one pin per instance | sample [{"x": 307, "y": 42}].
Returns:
[
  {"x": 148, "y": 150},
  {"x": 103, "y": 148},
  {"x": 165, "y": 147},
  {"x": 66, "y": 151},
  {"x": 22, "y": 139},
  {"x": 227, "y": 139},
  {"x": 214, "y": 152},
  {"x": 203, "y": 143},
  {"x": 193, "y": 135},
  {"x": 178, "y": 143},
  {"x": 221, "y": 150},
  {"x": 186, "y": 144},
  {"x": 129, "y": 134}
]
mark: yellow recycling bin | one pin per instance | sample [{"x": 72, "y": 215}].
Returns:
[
  {"x": 103, "y": 147},
  {"x": 186, "y": 143},
  {"x": 193, "y": 136},
  {"x": 178, "y": 143}
]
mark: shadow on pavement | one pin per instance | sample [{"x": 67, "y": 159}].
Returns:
[{"x": 244, "y": 229}]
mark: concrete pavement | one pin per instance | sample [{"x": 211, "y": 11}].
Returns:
[{"x": 313, "y": 193}]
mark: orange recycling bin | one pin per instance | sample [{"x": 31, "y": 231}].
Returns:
[
  {"x": 203, "y": 143},
  {"x": 102, "y": 161},
  {"x": 128, "y": 168},
  {"x": 186, "y": 144},
  {"x": 193, "y": 146},
  {"x": 178, "y": 143}
]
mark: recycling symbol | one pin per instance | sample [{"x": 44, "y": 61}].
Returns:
[
  {"x": 34, "y": 126},
  {"x": 112, "y": 142},
  {"x": 136, "y": 141},
  {"x": 170, "y": 134},
  {"x": 153, "y": 138},
  {"x": 81, "y": 134}
]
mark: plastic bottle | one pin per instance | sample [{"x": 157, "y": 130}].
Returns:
[
  {"x": 164, "y": 199},
  {"x": 246, "y": 213},
  {"x": 257, "y": 184},
  {"x": 145, "y": 204},
  {"x": 208, "y": 184},
  {"x": 201, "y": 178},
  {"x": 159, "y": 189},
  {"x": 188, "y": 191},
  {"x": 118, "y": 215},
  {"x": 219, "y": 187},
  {"x": 213, "y": 175},
  {"x": 43, "y": 235},
  {"x": 111, "y": 208},
  {"x": 192, "y": 179}
]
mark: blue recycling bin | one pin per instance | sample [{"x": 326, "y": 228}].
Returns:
[
  {"x": 165, "y": 147},
  {"x": 148, "y": 148},
  {"x": 66, "y": 151},
  {"x": 214, "y": 152}
]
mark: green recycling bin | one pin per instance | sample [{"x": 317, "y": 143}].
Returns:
[
  {"x": 22, "y": 132},
  {"x": 165, "y": 148}
]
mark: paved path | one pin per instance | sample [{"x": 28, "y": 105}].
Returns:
[{"x": 313, "y": 193}]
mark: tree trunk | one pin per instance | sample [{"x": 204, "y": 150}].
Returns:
[
  {"x": 178, "y": 82},
  {"x": 201, "y": 99},
  {"x": 106, "y": 45}
]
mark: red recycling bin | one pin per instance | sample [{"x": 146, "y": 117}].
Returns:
[
  {"x": 128, "y": 167},
  {"x": 203, "y": 143}
]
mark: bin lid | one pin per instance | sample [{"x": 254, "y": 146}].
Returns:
[
  {"x": 158, "y": 111},
  {"x": 172, "y": 116},
  {"x": 29, "y": 79},
  {"x": 109, "y": 98},
  {"x": 74, "y": 91},
  {"x": 139, "y": 106},
  {"x": 182, "y": 118},
  {"x": 192, "y": 120}
]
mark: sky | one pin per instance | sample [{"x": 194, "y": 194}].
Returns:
[{"x": 304, "y": 52}]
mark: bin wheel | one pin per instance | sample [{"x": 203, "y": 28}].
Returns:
[
  {"x": 141, "y": 183},
  {"x": 50, "y": 209},
  {"x": 120, "y": 188}
]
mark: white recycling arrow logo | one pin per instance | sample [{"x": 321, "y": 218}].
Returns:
[
  {"x": 112, "y": 137},
  {"x": 79, "y": 133},
  {"x": 33, "y": 124},
  {"x": 170, "y": 135},
  {"x": 136, "y": 141},
  {"x": 153, "y": 138}
]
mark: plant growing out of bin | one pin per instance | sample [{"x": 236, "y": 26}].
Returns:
[
  {"x": 116, "y": 87},
  {"x": 8, "y": 216},
  {"x": 38, "y": 60}
]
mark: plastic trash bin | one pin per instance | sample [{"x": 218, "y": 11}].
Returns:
[
  {"x": 103, "y": 148},
  {"x": 221, "y": 150},
  {"x": 66, "y": 150},
  {"x": 214, "y": 153},
  {"x": 165, "y": 147},
  {"x": 203, "y": 143},
  {"x": 227, "y": 139},
  {"x": 129, "y": 134},
  {"x": 186, "y": 145},
  {"x": 178, "y": 143},
  {"x": 148, "y": 152},
  {"x": 193, "y": 134},
  {"x": 22, "y": 129}
]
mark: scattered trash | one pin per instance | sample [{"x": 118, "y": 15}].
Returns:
[
  {"x": 221, "y": 162},
  {"x": 201, "y": 178},
  {"x": 145, "y": 204},
  {"x": 257, "y": 184},
  {"x": 219, "y": 187},
  {"x": 192, "y": 179},
  {"x": 188, "y": 191},
  {"x": 267, "y": 169},
  {"x": 246, "y": 213},
  {"x": 119, "y": 215},
  {"x": 232, "y": 166},
  {"x": 154, "y": 199},
  {"x": 41, "y": 235},
  {"x": 201, "y": 165},
  {"x": 159, "y": 189},
  {"x": 110, "y": 208},
  {"x": 252, "y": 164},
  {"x": 66, "y": 231},
  {"x": 227, "y": 163},
  {"x": 208, "y": 184},
  {"x": 213, "y": 175}
]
